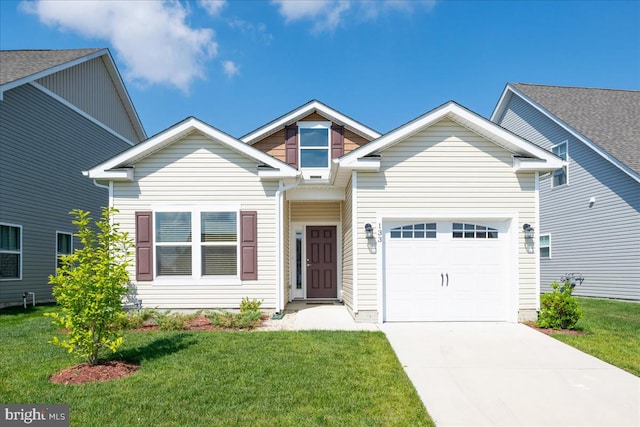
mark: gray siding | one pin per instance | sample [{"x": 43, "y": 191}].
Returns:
[
  {"x": 601, "y": 241},
  {"x": 44, "y": 146},
  {"x": 87, "y": 82}
]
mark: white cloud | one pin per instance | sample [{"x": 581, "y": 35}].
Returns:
[
  {"x": 151, "y": 38},
  {"x": 230, "y": 68},
  {"x": 213, "y": 7},
  {"x": 327, "y": 15},
  {"x": 258, "y": 32}
]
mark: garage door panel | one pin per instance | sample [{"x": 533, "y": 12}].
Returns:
[{"x": 446, "y": 278}]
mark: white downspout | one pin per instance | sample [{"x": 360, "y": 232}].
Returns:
[
  {"x": 279, "y": 241},
  {"x": 108, "y": 187}
]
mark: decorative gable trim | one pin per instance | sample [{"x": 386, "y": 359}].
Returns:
[
  {"x": 303, "y": 111},
  {"x": 467, "y": 119},
  {"x": 112, "y": 168},
  {"x": 510, "y": 90}
]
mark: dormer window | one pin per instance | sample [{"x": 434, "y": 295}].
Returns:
[{"x": 314, "y": 144}]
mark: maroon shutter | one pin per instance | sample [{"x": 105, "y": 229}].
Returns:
[
  {"x": 248, "y": 245},
  {"x": 337, "y": 141},
  {"x": 291, "y": 145},
  {"x": 144, "y": 245}
]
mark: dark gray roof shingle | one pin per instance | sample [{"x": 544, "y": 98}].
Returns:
[
  {"x": 18, "y": 64},
  {"x": 610, "y": 118}
]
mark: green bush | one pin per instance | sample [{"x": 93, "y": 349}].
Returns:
[
  {"x": 242, "y": 320},
  {"x": 247, "y": 305},
  {"x": 89, "y": 287},
  {"x": 559, "y": 309},
  {"x": 135, "y": 319}
]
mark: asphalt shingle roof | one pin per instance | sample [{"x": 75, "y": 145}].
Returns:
[
  {"x": 610, "y": 118},
  {"x": 18, "y": 64}
]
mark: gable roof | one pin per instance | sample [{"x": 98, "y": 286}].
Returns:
[
  {"x": 608, "y": 120},
  {"x": 527, "y": 155},
  {"x": 310, "y": 107},
  {"x": 119, "y": 167},
  {"x": 20, "y": 67}
]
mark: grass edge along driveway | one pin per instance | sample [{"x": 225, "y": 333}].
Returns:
[{"x": 218, "y": 378}]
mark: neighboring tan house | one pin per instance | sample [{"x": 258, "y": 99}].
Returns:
[
  {"x": 422, "y": 223},
  {"x": 61, "y": 111},
  {"x": 590, "y": 209}
]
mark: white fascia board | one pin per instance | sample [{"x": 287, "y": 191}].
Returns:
[
  {"x": 502, "y": 103},
  {"x": 52, "y": 70},
  {"x": 595, "y": 147},
  {"x": 537, "y": 165},
  {"x": 273, "y": 174},
  {"x": 121, "y": 174},
  {"x": 175, "y": 133},
  {"x": 302, "y": 111},
  {"x": 460, "y": 115}
]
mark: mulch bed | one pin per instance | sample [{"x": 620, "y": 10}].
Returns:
[
  {"x": 549, "y": 331},
  {"x": 85, "y": 373}
]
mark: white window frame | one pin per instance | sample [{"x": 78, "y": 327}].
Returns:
[
  {"x": 196, "y": 244},
  {"x": 19, "y": 253},
  {"x": 314, "y": 172},
  {"x": 548, "y": 246},
  {"x": 564, "y": 168},
  {"x": 59, "y": 254}
]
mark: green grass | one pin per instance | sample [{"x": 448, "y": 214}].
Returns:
[
  {"x": 613, "y": 332},
  {"x": 217, "y": 378}
]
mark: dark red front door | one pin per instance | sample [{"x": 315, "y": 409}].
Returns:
[{"x": 321, "y": 262}]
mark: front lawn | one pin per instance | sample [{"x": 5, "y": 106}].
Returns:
[
  {"x": 217, "y": 378},
  {"x": 613, "y": 332}
]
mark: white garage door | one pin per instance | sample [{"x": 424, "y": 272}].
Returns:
[{"x": 446, "y": 270}]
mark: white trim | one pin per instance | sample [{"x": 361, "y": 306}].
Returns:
[
  {"x": 354, "y": 239},
  {"x": 79, "y": 111},
  {"x": 537, "y": 255},
  {"x": 108, "y": 169},
  {"x": 465, "y": 118},
  {"x": 295, "y": 228},
  {"x": 300, "y": 112},
  {"x": 316, "y": 193},
  {"x": 566, "y": 171},
  {"x": 20, "y": 253},
  {"x": 500, "y": 107},
  {"x": 56, "y": 249}
]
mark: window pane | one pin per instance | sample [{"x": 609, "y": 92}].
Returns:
[
  {"x": 173, "y": 227},
  {"x": 457, "y": 226},
  {"x": 9, "y": 266},
  {"x": 314, "y": 158},
  {"x": 560, "y": 150},
  {"x": 219, "y": 227},
  {"x": 219, "y": 261},
  {"x": 173, "y": 260},
  {"x": 9, "y": 238},
  {"x": 560, "y": 176},
  {"x": 544, "y": 252},
  {"x": 314, "y": 137},
  {"x": 544, "y": 241},
  {"x": 396, "y": 234},
  {"x": 64, "y": 244}
]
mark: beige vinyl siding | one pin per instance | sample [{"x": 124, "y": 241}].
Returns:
[
  {"x": 199, "y": 171},
  {"x": 347, "y": 249},
  {"x": 90, "y": 87},
  {"x": 306, "y": 211},
  {"x": 445, "y": 169},
  {"x": 288, "y": 280}
]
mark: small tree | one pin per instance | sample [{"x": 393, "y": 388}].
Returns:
[
  {"x": 89, "y": 287},
  {"x": 559, "y": 309}
]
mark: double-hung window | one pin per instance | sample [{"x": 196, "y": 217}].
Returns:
[
  {"x": 314, "y": 141},
  {"x": 10, "y": 252},
  {"x": 196, "y": 243},
  {"x": 64, "y": 246},
  {"x": 545, "y": 246},
  {"x": 560, "y": 176}
]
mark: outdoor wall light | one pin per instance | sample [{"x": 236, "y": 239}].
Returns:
[
  {"x": 528, "y": 231},
  {"x": 368, "y": 231}
]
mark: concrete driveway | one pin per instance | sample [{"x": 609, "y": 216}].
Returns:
[{"x": 501, "y": 374}]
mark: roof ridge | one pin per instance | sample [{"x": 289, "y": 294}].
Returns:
[{"x": 576, "y": 87}]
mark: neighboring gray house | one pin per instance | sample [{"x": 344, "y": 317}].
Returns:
[
  {"x": 61, "y": 112},
  {"x": 590, "y": 209}
]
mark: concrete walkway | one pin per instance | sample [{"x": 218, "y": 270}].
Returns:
[
  {"x": 333, "y": 317},
  {"x": 500, "y": 374}
]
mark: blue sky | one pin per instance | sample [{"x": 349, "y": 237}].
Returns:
[{"x": 239, "y": 64}]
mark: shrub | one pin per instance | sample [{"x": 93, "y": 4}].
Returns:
[
  {"x": 135, "y": 319},
  {"x": 559, "y": 309},
  {"x": 247, "y": 305},
  {"x": 89, "y": 286},
  {"x": 242, "y": 320}
]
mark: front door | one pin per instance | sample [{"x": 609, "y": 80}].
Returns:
[{"x": 321, "y": 262}]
